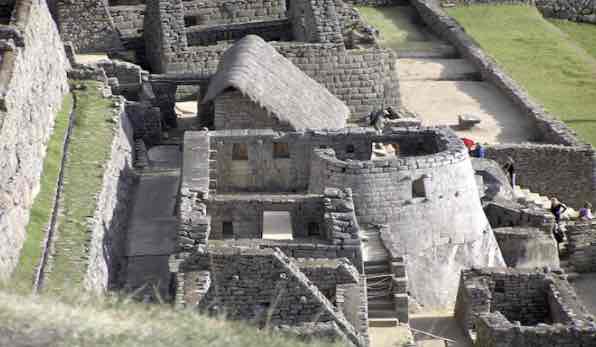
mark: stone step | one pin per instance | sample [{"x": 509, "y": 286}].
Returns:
[
  {"x": 437, "y": 70},
  {"x": 382, "y": 313},
  {"x": 382, "y": 322},
  {"x": 382, "y": 303},
  {"x": 377, "y": 269},
  {"x": 437, "y": 51}
]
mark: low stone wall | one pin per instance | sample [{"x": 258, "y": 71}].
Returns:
[
  {"x": 33, "y": 84},
  {"x": 506, "y": 213},
  {"x": 564, "y": 172},
  {"x": 581, "y": 237},
  {"x": 489, "y": 300},
  {"x": 574, "y": 10},
  {"x": 280, "y": 30},
  {"x": 547, "y": 128},
  {"x": 217, "y": 12},
  {"x": 527, "y": 247},
  {"x": 109, "y": 224}
]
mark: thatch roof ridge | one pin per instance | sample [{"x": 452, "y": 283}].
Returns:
[{"x": 259, "y": 72}]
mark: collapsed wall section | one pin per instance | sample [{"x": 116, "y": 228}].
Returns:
[{"x": 32, "y": 87}]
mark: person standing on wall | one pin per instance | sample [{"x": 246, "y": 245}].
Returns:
[
  {"x": 557, "y": 209},
  {"x": 509, "y": 167}
]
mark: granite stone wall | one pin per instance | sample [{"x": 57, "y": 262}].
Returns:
[
  {"x": 564, "y": 172},
  {"x": 315, "y": 21},
  {"x": 539, "y": 309},
  {"x": 128, "y": 19},
  {"x": 88, "y": 25},
  {"x": 548, "y": 129},
  {"x": 220, "y": 12},
  {"x": 507, "y": 213},
  {"x": 109, "y": 223},
  {"x": 279, "y": 30},
  {"x": 527, "y": 247},
  {"x": 245, "y": 212},
  {"x": 581, "y": 238},
  {"x": 33, "y": 84},
  {"x": 232, "y": 110},
  {"x": 365, "y": 80},
  {"x": 433, "y": 193},
  {"x": 264, "y": 286}
]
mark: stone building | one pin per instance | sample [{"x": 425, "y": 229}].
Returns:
[
  {"x": 510, "y": 307},
  {"x": 256, "y": 87}
]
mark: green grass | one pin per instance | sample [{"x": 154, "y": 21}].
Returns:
[
  {"x": 552, "y": 68},
  {"x": 584, "y": 34},
  {"x": 397, "y": 27},
  {"x": 26, "y": 269},
  {"x": 84, "y": 321},
  {"x": 89, "y": 149}
]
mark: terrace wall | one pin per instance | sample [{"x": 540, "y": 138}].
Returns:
[{"x": 33, "y": 84}]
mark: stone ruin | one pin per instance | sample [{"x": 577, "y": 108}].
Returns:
[{"x": 277, "y": 203}]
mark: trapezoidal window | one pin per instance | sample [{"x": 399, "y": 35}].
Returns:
[
  {"x": 313, "y": 229},
  {"x": 419, "y": 188},
  {"x": 227, "y": 230},
  {"x": 239, "y": 151},
  {"x": 350, "y": 149},
  {"x": 281, "y": 150},
  {"x": 191, "y": 21}
]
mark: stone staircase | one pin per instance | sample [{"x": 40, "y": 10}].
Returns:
[
  {"x": 526, "y": 197},
  {"x": 386, "y": 283}
]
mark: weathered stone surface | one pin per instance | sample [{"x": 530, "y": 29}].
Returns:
[{"x": 32, "y": 90}]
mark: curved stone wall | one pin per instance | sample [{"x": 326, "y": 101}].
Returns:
[{"x": 431, "y": 204}]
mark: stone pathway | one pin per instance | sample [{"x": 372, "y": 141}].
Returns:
[{"x": 439, "y": 86}]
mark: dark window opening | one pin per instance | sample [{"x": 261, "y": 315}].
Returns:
[
  {"x": 499, "y": 286},
  {"x": 190, "y": 21},
  {"x": 281, "y": 150},
  {"x": 350, "y": 149},
  {"x": 313, "y": 229},
  {"x": 228, "y": 230},
  {"x": 418, "y": 189},
  {"x": 240, "y": 151}
]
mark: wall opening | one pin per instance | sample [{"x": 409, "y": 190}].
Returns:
[
  {"x": 313, "y": 229},
  {"x": 277, "y": 225},
  {"x": 419, "y": 188},
  {"x": 190, "y": 21},
  {"x": 228, "y": 230},
  {"x": 239, "y": 151},
  {"x": 281, "y": 150},
  {"x": 350, "y": 149}
]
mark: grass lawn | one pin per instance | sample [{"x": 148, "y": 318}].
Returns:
[
  {"x": 80, "y": 321},
  {"x": 24, "y": 274},
  {"x": 584, "y": 34},
  {"x": 554, "y": 69},
  {"x": 89, "y": 149},
  {"x": 397, "y": 26}
]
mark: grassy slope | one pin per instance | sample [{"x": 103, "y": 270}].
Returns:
[
  {"x": 396, "y": 26},
  {"x": 89, "y": 149},
  {"x": 24, "y": 273},
  {"x": 554, "y": 69},
  {"x": 582, "y": 33},
  {"x": 39, "y": 321}
]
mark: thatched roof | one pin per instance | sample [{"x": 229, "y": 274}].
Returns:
[{"x": 259, "y": 72}]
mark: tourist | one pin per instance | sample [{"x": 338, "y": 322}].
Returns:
[
  {"x": 509, "y": 168},
  {"x": 557, "y": 209},
  {"x": 585, "y": 213}
]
